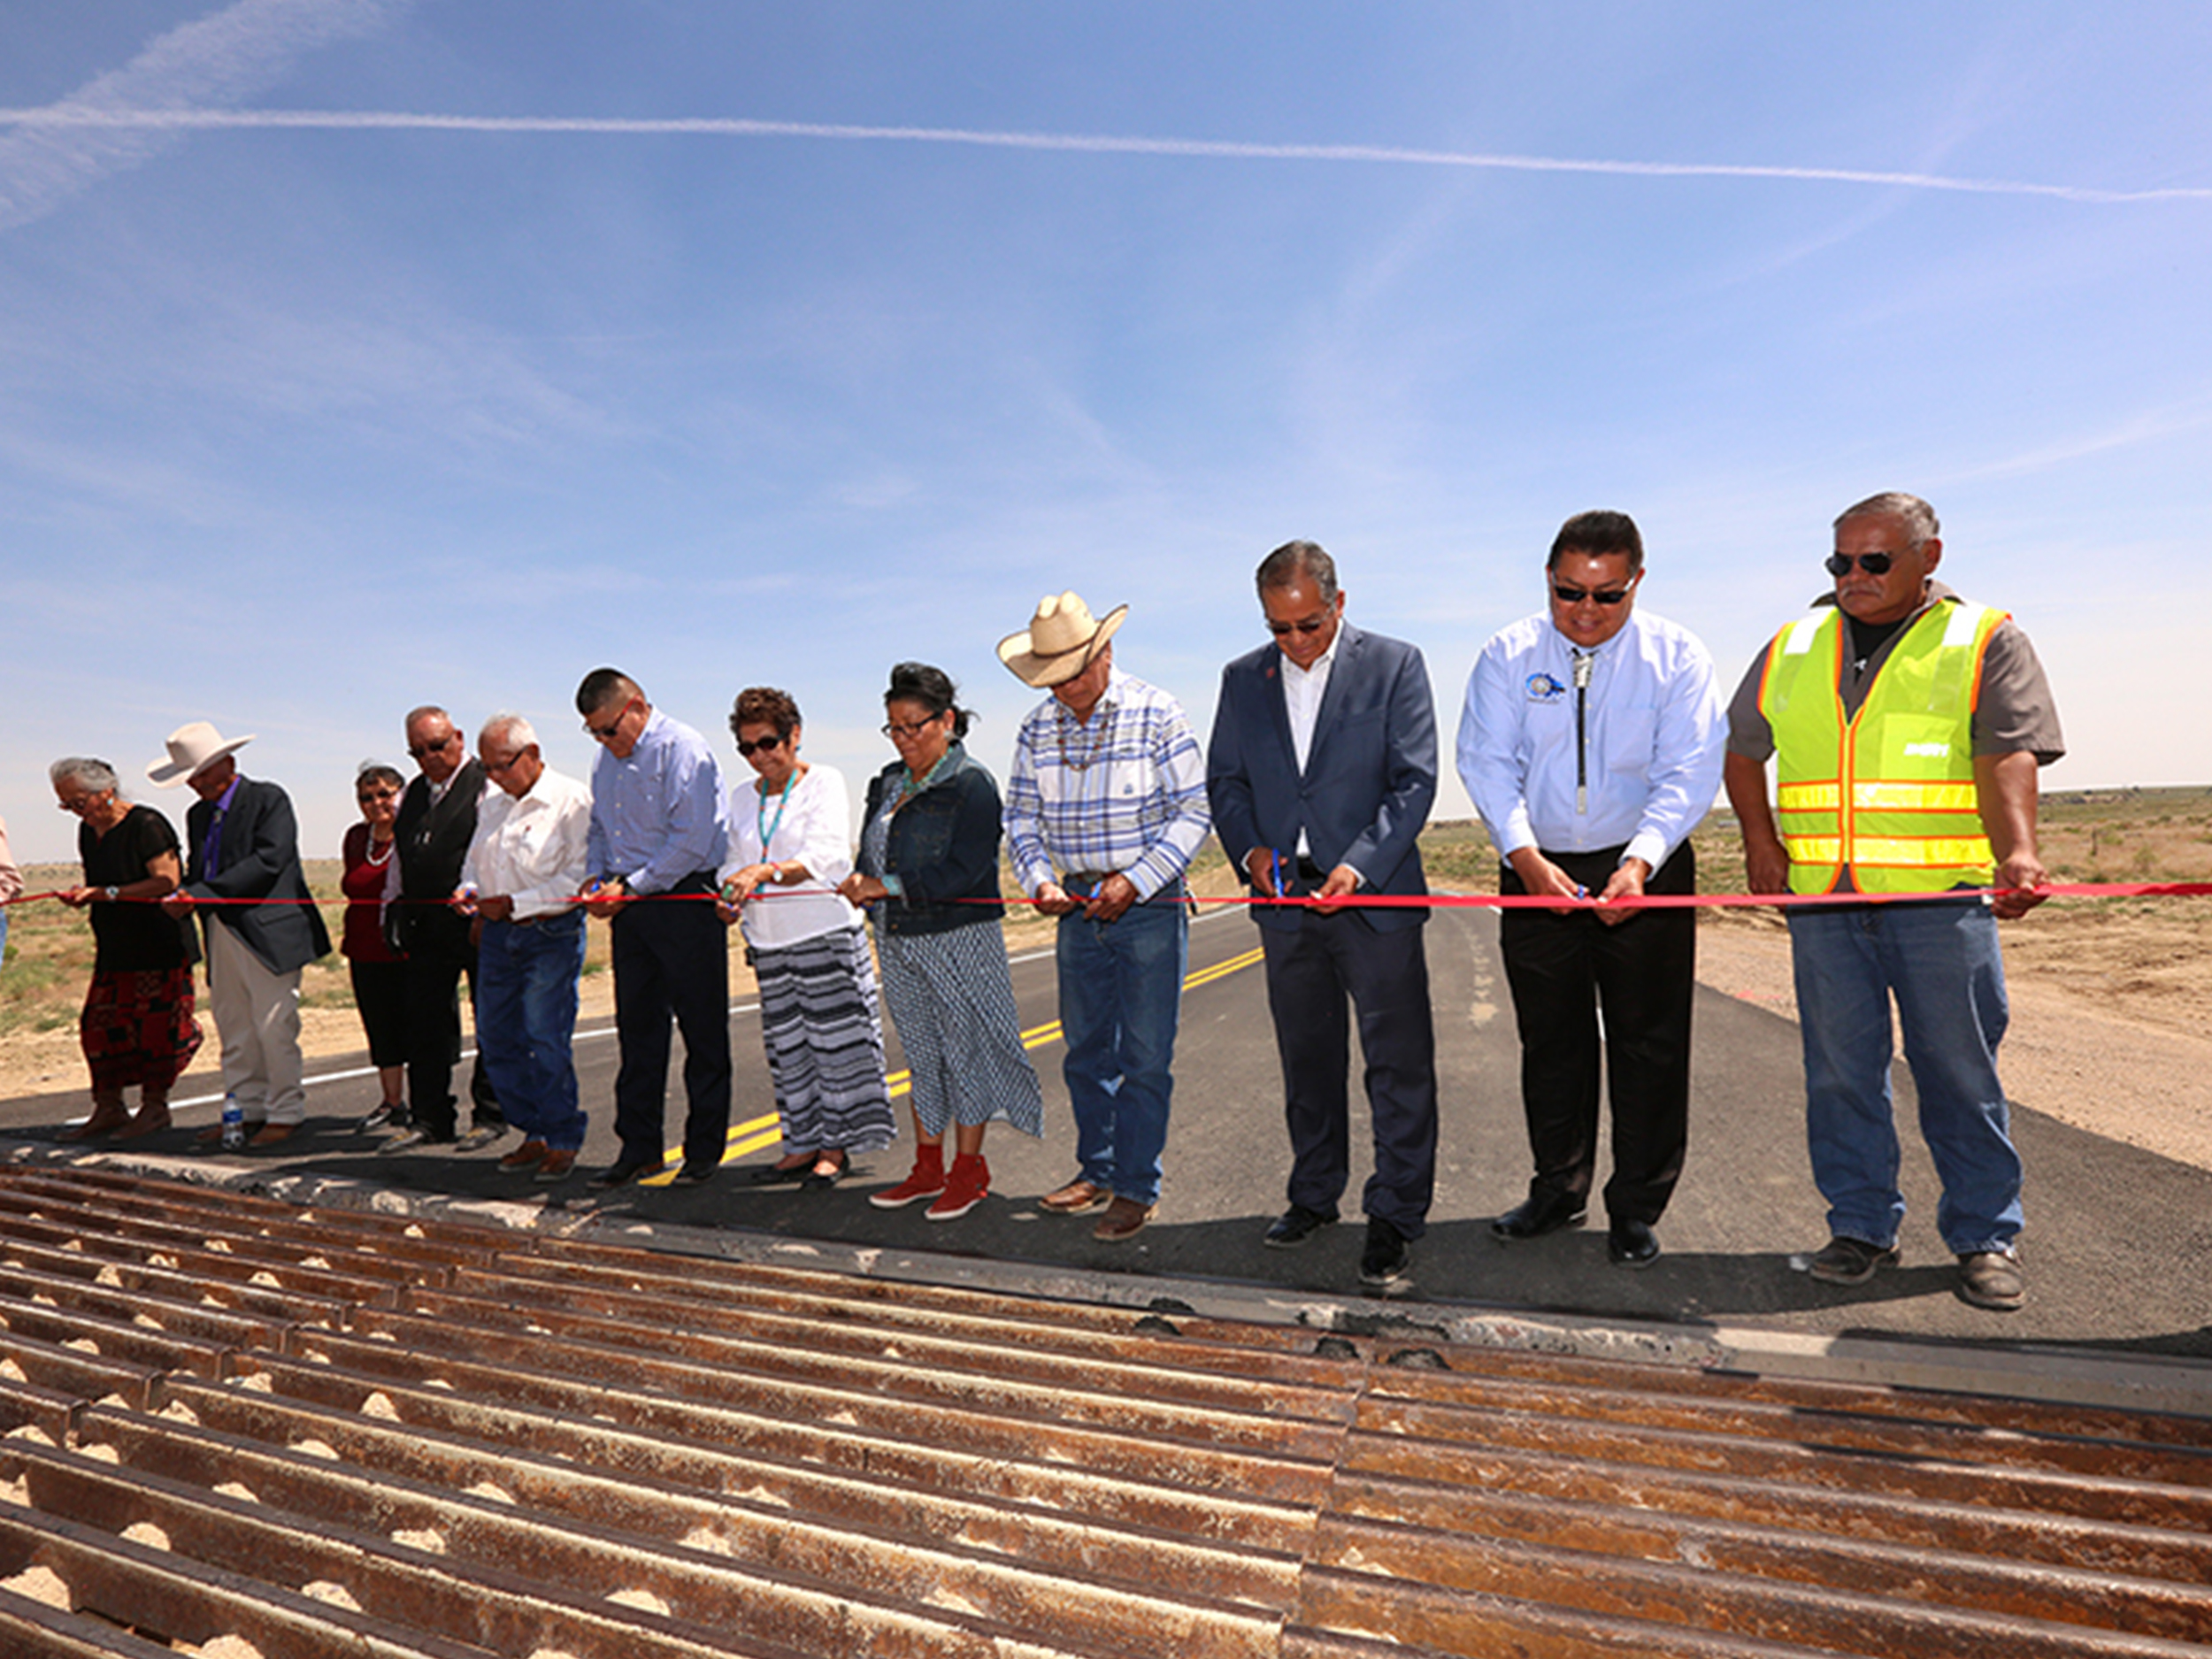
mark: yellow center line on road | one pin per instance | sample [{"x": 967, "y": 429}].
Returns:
[{"x": 749, "y": 1137}]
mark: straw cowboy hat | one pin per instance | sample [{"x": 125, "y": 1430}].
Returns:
[
  {"x": 192, "y": 749},
  {"x": 1060, "y": 642}
]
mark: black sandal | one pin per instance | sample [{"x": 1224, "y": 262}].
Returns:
[
  {"x": 780, "y": 1175},
  {"x": 820, "y": 1182}
]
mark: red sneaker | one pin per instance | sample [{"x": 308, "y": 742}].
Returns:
[
  {"x": 968, "y": 1185},
  {"x": 926, "y": 1179}
]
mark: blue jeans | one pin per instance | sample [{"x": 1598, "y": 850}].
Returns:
[
  {"x": 1942, "y": 961},
  {"x": 525, "y": 1024},
  {"x": 1121, "y": 989}
]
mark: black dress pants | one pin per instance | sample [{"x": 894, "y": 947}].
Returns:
[
  {"x": 438, "y": 955},
  {"x": 1643, "y": 972},
  {"x": 1316, "y": 974},
  {"x": 672, "y": 963}
]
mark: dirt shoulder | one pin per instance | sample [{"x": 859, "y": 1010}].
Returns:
[{"x": 2090, "y": 1044}]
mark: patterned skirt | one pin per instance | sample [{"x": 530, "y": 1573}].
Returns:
[
  {"x": 952, "y": 998},
  {"x": 817, "y": 1020},
  {"x": 137, "y": 1028}
]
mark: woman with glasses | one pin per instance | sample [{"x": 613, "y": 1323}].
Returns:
[
  {"x": 790, "y": 845},
  {"x": 380, "y": 973},
  {"x": 137, "y": 1029},
  {"x": 928, "y": 871}
]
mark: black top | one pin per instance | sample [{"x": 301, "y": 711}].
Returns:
[{"x": 133, "y": 938}]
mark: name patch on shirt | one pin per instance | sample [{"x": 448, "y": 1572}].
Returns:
[
  {"x": 1543, "y": 687},
  {"x": 1932, "y": 751}
]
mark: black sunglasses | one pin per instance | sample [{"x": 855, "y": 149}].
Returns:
[
  {"x": 1311, "y": 624},
  {"x": 1595, "y": 595},
  {"x": 774, "y": 740},
  {"x": 418, "y": 751},
  {"x": 1872, "y": 563}
]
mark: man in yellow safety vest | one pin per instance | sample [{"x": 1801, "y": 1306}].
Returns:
[{"x": 1907, "y": 726}]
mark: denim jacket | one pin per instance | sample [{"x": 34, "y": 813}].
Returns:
[{"x": 943, "y": 847}]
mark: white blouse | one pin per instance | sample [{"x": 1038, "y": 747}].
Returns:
[{"x": 815, "y": 830}]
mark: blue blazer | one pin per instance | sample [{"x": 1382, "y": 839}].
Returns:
[
  {"x": 257, "y": 857},
  {"x": 1370, "y": 777}
]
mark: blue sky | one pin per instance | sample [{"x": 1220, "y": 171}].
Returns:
[{"x": 461, "y": 377}]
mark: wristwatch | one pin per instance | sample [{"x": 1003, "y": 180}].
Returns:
[{"x": 112, "y": 892}]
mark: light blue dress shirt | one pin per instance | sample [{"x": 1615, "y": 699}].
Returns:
[
  {"x": 660, "y": 813},
  {"x": 1655, "y": 735}
]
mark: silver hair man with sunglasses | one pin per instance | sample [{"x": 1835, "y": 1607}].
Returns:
[
  {"x": 1591, "y": 743},
  {"x": 1907, "y": 726}
]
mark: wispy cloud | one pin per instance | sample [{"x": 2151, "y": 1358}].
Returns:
[
  {"x": 124, "y": 116},
  {"x": 80, "y": 115}
]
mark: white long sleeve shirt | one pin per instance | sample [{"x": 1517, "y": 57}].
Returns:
[
  {"x": 1653, "y": 740},
  {"x": 531, "y": 848}
]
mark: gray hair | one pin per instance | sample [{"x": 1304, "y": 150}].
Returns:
[
  {"x": 518, "y": 730},
  {"x": 92, "y": 775},
  {"x": 1294, "y": 559},
  {"x": 1915, "y": 514}
]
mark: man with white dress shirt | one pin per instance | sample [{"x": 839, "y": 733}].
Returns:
[
  {"x": 1592, "y": 744},
  {"x": 524, "y": 868}
]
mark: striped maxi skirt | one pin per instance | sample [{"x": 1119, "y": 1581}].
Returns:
[{"x": 825, "y": 1042}]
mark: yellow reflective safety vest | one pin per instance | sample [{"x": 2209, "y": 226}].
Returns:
[{"x": 1888, "y": 795}]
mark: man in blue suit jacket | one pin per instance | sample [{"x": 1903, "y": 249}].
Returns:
[{"x": 1320, "y": 773}]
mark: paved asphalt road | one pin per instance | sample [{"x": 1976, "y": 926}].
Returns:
[{"x": 2116, "y": 1242}]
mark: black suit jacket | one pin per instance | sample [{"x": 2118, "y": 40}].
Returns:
[
  {"x": 258, "y": 857},
  {"x": 433, "y": 841},
  {"x": 1370, "y": 777}
]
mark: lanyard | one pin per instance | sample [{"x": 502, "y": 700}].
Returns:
[
  {"x": 1584, "y": 662},
  {"x": 760, "y": 814}
]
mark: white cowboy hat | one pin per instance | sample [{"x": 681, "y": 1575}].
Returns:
[
  {"x": 192, "y": 749},
  {"x": 1060, "y": 642}
]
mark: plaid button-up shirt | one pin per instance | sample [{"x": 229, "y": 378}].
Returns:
[{"x": 1124, "y": 790}]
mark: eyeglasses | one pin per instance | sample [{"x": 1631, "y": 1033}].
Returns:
[
  {"x": 1606, "y": 596},
  {"x": 508, "y": 764},
  {"x": 773, "y": 740},
  {"x": 418, "y": 751},
  {"x": 895, "y": 730},
  {"x": 377, "y": 794},
  {"x": 1304, "y": 624},
  {"x": 602, "y": 733},
  {"x": 1872, "y": 563},
  {"x": 83, "y": 802}
]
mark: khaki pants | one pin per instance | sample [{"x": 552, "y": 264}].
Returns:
[{"x": 257, "y": 1015}]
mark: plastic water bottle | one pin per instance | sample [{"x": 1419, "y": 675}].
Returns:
[{"x": 233, "y": 1124}]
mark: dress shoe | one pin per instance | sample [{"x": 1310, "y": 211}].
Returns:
[
  {"x": 1541, "y": 1213},
  {"x": 1992, "y": 1279},
  {"x": 530, "y": 1153},
  {"x": 1387, "y": 1255},
  {"x": 1630, "y": 1243},
  {"x": 622, "y": 1171},
  {"x": 696, "y": 1172},
  {"x": 1295, "y": 1226},
  {"x": 557, "y": 1164},
  {"x": 1079, "y": 1197},
  {"x": 1124, "y": 1219},
  {"x": 271, "y": 1135},
  {"x": 818, "y": 1179}
]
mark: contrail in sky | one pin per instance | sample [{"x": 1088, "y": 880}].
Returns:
[
  {"x": 73, "y": 114},
  {"x": 104, "y": 125}
]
